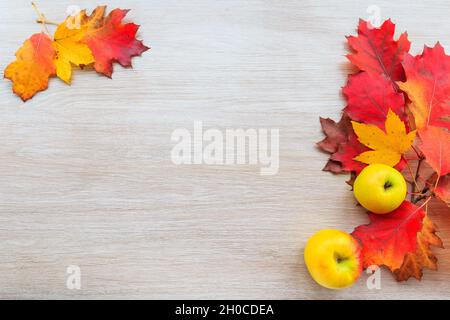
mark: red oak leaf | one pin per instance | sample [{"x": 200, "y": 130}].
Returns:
[
  {"x": 428, "y": 87},
  {"x": 342, "y": 144},
  {"x": 347, "y": 152},
  {"x": 369, "y": 98},
  {"x": 376, "y": 51},
  {"x": 436, "y": 148},
  {"x": 389, "y": 237},
  {"x": 336, "y": 133}
]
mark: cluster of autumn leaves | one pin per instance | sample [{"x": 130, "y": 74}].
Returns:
[
  {"x": 80, "y": 41},
  {"x": 397, "y": 113}
]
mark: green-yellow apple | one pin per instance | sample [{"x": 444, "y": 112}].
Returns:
[
  {"x": 380, "y": 188},
  {"x": 333, "y": 258}
]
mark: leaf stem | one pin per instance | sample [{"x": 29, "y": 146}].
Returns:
[
  {"x": 428, "y": 198},
  {"x": 437, "y": 182},
  {"x": 419, "y": 155},
  {"x": 415, "y": 186},
  {"x": 419, "y": 163},
  {"x": 41, "y": 17},
  {"x": 43, "y": 21}
]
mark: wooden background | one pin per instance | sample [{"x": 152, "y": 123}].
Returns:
[{"x": 86, "y": 177}]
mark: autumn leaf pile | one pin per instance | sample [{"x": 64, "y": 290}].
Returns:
[
  {"x": 82, "y": 40},
  {"x": 398, "y": 113}
]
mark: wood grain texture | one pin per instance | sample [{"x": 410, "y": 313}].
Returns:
[{"x": 86, "y": 176}]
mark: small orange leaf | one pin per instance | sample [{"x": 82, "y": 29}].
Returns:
[{"x": 33, "y": 67}]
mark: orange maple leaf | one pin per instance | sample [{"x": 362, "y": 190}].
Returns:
[
  {"x": 389, "y": 237},
  {"x": 442, "y": 190},
  {"x": 423, "y": 257},
  {"x": 436, "y": 148},
  {"x": 428, "y": 87},
  {"x": 33, "y": 66}
]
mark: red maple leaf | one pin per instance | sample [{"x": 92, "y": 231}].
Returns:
[
  {"x": 109, "y": 39},
  {"x": 376, "y": 51},
  {"x": 389, "y": 237},
  {"x": 369, "y": 98}
]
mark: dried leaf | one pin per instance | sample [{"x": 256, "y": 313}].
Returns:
[{"x": 422, "y": 257}]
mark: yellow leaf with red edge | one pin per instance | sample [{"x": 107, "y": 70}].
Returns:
[
  {"x": 422, "y": 257},
  {"x": 33, "y": 66},
  {"x": 108, "y": 38},
  {"x": 387, "y": 146}
]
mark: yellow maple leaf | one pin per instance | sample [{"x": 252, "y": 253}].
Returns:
[
  {"x": 70, "y": 49},
  {"x": 387, "y": 147}
]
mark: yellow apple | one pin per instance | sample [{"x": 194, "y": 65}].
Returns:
[
  {"x": 333, "y": 258},
  {"x": 380, "y": 188}
]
